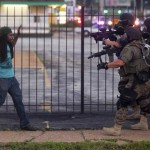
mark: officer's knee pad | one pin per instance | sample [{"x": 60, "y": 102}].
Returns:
[
  {"x": 123, "y": 101},
  {"x": 121, "y": 86},
  {"x": 127, "y": 98}
]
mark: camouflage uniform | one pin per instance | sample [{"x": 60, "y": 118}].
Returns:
[
  {"x": 134, "y": 86},
  {"x": 131, "y": 87},
  {"x": 146, "y": 39}
]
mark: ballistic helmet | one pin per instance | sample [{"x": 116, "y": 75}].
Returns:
[
  {"x": 127, "y": 19},
  {"x": 147, "y": 22},
  {"x": 133, "y": 33}
]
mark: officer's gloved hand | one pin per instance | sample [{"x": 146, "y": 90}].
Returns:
[{"x": 102, "y": 65}]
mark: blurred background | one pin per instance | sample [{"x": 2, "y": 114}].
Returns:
[
  {"x": 51, "y": 56},
  {"x": 68, "y": 12}
]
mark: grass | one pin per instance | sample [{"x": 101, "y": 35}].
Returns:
[{"x": 103, "y": 145}]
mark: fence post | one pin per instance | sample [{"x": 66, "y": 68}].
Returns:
[{"x": 82, "y": 56}]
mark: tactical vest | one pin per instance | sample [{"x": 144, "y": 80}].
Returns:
[{"x": 137, "y": 64}]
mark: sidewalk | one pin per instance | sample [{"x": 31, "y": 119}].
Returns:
[
  {"x": 66, "y": 128},
  {"x": 70, "y": 136}
]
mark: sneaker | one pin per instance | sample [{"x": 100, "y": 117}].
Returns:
[{"x": 29, "y": 128}]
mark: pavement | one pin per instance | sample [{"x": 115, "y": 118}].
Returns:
[
  {"x": 66, "y": 127},
  {"x": 63, "y": 127}
]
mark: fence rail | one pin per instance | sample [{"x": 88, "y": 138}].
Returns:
[{"x": 54, "y": 71}]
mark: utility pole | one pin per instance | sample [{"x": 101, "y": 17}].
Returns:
[
  {"x": 142, "y": 8},
  {"x": 141, "y": 5},
  {"x": 101, "y": 2},
  {"x": 134, "y": 3}
]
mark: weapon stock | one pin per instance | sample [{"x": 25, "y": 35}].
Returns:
[{"x": 98, "y": 54}]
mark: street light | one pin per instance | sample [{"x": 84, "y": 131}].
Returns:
[
  {"x": 119, "y": 11},
  {"x": 105, "y": 11}
]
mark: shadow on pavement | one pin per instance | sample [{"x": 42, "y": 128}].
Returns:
[{"x": 62, "y": 121}]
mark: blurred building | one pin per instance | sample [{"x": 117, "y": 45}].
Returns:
[
  {"x": 117, "y": 3},
  {"x": 142, "y": 6},
  {"x": 42, "y": 13}
]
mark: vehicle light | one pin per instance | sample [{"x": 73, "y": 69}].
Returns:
[
  {"x": 100, "y": 23},
  {"x": 137, "y": 22},
  {"x": 105, "y": 11},
  {"x": 109, "y": 23},
  {"x": 119, "y": 11},
  {"x": 79, "y": 21}
]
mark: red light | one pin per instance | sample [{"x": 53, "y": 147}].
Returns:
[{"x": 78, "y": 19}]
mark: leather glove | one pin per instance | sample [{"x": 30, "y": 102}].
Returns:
[{"x": 102, "y": 65}]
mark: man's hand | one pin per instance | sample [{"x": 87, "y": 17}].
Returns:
[
  {"x": 111, "y": 43},
  {"x": 102, "y": 65},
  {"x": 107, "y": 42},
  {"x": 17, "y": 35},
  {"x": 18, "y": 30}
]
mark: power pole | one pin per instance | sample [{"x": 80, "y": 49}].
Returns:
[
  {"x": 141, "y": 5},
  {"x": 101, "y": 2},
  {"x": 134, "y": 3},
  {"x": 142, "y": 8}
]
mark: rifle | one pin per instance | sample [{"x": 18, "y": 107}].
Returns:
[
  {"x": 110, "y": 51},
  {"x": 107, "y": 50},
  {"x": 99, "y": 36},
  {"x": 103, "y": 34}
]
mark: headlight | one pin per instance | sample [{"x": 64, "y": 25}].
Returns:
[
  {"x": 101, "y": 22},
  {"x": 137, "y": 22},
  {"x": 109, "y": 23}
]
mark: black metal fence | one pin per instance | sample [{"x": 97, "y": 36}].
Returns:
[{"x": 51, "y": 59}]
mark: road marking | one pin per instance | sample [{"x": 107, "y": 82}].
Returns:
[
  {"x": 46, "y": 106},
  {"x": 26, "y": 59}
]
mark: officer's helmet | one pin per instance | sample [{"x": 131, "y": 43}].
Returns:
[
  {"x": 147, "y": 23},
  {"x": 127, "y": 19},
  {"x": 133, "y": 33}
]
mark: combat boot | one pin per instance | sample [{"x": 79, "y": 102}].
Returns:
[
  {"x": 114, "y": 131},
  {"x": 142, "y": 125},
  {"x": 135, "y": 114}
]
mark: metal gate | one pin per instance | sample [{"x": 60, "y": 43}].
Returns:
[{"x": 51, "y": 60}]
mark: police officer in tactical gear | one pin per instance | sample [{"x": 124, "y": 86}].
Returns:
[
  {"x": 135, "y": 82},
  {"x": 126, "y": 20}
]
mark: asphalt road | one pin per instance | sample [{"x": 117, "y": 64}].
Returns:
[{"x": 61, "y": 58}]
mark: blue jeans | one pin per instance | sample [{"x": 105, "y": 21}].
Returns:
[{"x": 11, "y": 86}]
